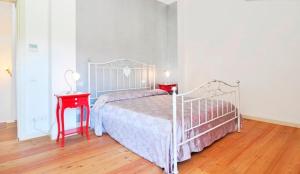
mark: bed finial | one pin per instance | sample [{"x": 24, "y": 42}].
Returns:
[
  {"x": 238, "y": 82},
  {"x": 174, "y": 89}
]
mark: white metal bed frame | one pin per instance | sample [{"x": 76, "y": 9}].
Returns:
[
  {"x": 134, "y": 75},
  {"x": 119, "y": 75},
  {"x": 213, "y": 91}
]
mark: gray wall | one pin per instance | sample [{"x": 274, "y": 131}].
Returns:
[
  {"x": 111, "y": 29},
  {"x": 172, "y": 41}
]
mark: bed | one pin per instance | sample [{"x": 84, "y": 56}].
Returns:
[{"x": 164, "y": 129}]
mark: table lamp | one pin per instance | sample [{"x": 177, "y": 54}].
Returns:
[
  {"x": 167, "y": 74},
  {"x": 74, "y": 77}
]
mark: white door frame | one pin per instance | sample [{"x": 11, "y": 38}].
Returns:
[{"x": 19, "y": 51}]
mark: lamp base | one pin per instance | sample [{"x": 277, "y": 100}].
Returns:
[{"x": 71, "y": 92}]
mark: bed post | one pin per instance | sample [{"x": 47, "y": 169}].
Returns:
[
  {"x": 154, "y": 78},
  {"x": 89, "y": 80},
  {"x": 239, "y": 109},
  {"x": 174, "y": 142}
]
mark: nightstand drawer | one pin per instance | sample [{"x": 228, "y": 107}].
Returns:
[{"x": 74, "y": 101}]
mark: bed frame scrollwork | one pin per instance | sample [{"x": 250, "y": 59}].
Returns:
[
  {"x": 220, "y": 92},
  {"x": 119, "y": 75}
]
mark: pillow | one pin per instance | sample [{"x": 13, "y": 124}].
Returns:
[{"x": 126, "y": 95}]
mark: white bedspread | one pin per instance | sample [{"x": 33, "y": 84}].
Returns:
[{"x": 143, "y": 125}]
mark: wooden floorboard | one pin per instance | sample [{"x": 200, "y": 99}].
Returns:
[
  {"x": 261, "y": 148},
  {"x": 8, "y": 131}
]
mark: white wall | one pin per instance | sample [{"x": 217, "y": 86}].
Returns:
[
  {"x": 256, "y": 42},
  {"x": 6, "y": 61},
  {"x": 32, "y": 68},
  {"x": 50, "y": 26},
  {"x": 130, "y": 29},
  {"x": 63, "y": 55}
]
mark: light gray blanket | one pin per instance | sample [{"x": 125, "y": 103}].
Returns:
[{"x": 142, "y": 123}]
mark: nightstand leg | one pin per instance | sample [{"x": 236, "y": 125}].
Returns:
[
  {"x": 81, "y": 120},
  {"x": 58, "y": 123},
  {"x": 87, "y": 121},
  {"x": 63, "y": 127}
]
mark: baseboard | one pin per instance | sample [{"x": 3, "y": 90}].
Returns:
[
  {"x": 11, "y": 121},
  {"x": 8, "y": 121},
  {"x": 272, "y": 121}
]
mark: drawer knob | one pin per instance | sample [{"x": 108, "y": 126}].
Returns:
[
  {"x": 76, "y": 103},
  {"x": 76, "y": 99}
]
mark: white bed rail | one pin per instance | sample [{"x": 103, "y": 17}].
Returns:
[
  {"x": 211, "y": 95},
  {"x": 118, "y": 75}
]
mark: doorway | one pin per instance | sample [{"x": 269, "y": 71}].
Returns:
[{"x": 8, "y": 116}]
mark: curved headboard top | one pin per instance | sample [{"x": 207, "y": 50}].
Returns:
[
  {"x": 214, "y": 86},
  {"x": 118, "y": 75},
  {"x": 122, "y": 62}
]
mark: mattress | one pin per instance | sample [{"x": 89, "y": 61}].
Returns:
[{"x": 143, "y": 125}]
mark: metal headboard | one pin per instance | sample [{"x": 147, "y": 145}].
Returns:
[{"x": 119, "y": 75}]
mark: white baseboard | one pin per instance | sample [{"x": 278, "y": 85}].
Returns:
[
  {"x": 8, "y": 121},
  {"x": 272, "y": 121}
]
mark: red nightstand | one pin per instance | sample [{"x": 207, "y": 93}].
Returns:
[
  {"x": 78, "y": 100},
  {"x": 168, "y": 87}
]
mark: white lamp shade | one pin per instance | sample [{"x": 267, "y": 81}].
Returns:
[
  {"x": 167, "y": 74},
  {"x": 75, "y": 76}
]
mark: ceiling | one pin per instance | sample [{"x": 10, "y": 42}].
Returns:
[
  {"x": 13, "y": 1},
  {"x": 167, "y": 1},
  {"x": 163, "y": 1}
]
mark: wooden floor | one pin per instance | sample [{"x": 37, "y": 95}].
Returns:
[
  {"x": 259, "y": 148},
  {"x": 8, "y": 132}
]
